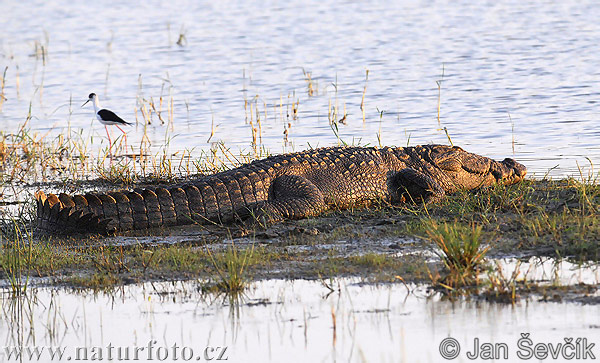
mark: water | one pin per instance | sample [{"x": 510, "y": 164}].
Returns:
[
  {"x": 347, "y": 321},
  {"x": 519, "y": 71},
  {"x": 354, "y": 323}
]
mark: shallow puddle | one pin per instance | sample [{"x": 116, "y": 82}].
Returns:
[
  {"x": 278, "y": 320},
  {"x": 545, "y": 270}
]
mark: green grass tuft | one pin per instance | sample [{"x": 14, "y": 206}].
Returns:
[
  {"x": 459, "y": 249},
  {"x": 231, "y": 268}
]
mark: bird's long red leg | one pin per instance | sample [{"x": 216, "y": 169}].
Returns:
[
  {"x": 109, "y": 141},
  {"x": 108, "y": 134},
  {"x": 125, "y": 135}
]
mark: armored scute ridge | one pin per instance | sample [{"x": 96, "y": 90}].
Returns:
[{"x": 292, "y": 186}]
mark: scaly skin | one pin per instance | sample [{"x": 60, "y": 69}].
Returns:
[{"x": 291, "y": 186}]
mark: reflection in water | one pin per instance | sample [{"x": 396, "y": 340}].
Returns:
[{"x": 277, "y": 320}]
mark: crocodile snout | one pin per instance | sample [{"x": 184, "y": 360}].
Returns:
[{"x": 518, "y": 170}]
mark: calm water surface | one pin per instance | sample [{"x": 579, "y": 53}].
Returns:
[
  {"x": 517, "y": 77},
  {"x": 292, "y": 321}
]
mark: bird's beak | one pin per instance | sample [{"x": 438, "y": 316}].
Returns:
[{"x": 85, "y": 103}]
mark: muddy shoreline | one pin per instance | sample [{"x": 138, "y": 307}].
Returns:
[{"x": 383, "y": 244}]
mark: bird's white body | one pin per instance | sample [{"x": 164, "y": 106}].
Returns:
[
  {"x": 106, "y": 117},
  {"x": 100, "y": 112}
]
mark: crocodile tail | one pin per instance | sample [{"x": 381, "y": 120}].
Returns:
[
  {"x": 64, "y": 214},
  {"x": 106, "y": 213}
]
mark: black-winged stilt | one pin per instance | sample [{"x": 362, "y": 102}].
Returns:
[{"x": 106, "y": 117}]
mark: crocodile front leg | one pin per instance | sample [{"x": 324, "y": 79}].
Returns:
[
  {"x": 290, "y": 197},
  {"x": 414, "y": 186}
]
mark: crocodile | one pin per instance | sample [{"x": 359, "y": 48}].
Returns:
[{"x": 288, "y": 186}]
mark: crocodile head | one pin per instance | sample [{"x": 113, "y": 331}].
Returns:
[
  {"x": 465, "y": 170},
  {"x": 513, "y": 172}
]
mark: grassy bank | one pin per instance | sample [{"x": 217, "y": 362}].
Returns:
[{"x": 383, "y": 244}]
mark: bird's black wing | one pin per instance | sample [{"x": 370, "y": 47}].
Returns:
[{"x": 108, "y": 115}]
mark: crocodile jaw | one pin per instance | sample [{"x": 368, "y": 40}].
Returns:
[{"x": 515, "y": 172}]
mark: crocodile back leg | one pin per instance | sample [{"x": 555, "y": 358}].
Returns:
[
  {"x": 414, "y": 186},
  {"x": 290, "y": 197}
]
